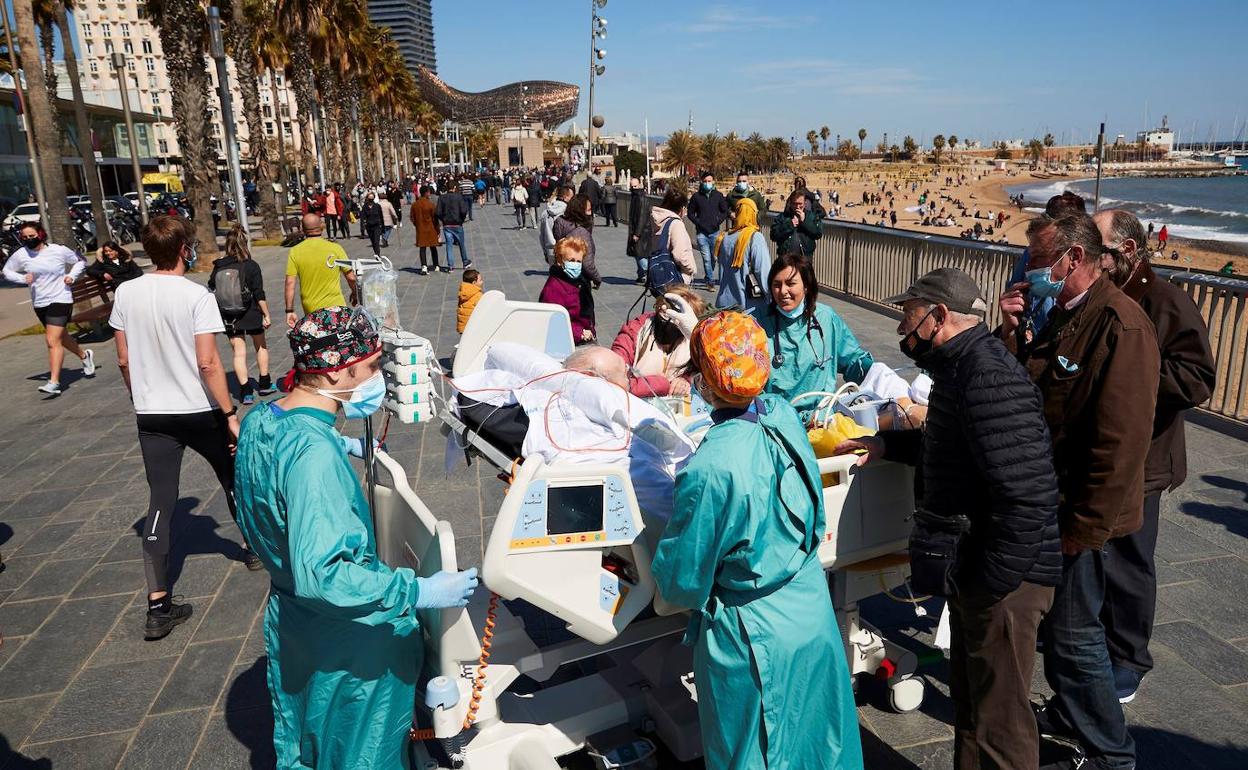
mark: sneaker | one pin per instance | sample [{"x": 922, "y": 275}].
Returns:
[
  {"x": 161, "y": 621},
  {"x": 251, "y": 561},
  {"x": 468, "y": 264},
  {"x": 423, "y": 271},
  {"x": 1126, "y": 682},
  {"x": 446, "y": 269},
  {"x": 1051, "y": 724},
  {"x": 267, "y": 390},
  {"x": 88, "y": 364},
  {"x": 51, "y": 388},
  {"x": 249, "y": 399}
]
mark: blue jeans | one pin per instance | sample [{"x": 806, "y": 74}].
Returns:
[
  {"x": 385, "y": 234},
  {"x": 455, "y": 233},
  {"x": 643, "y": 264},
  {"x": 468, "y": 203},
  {"x": 1076, "y": 663},
  {"x": 705, "y": 244}
]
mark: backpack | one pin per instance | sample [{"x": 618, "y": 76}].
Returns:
[
  {"x": 661, "y": 271},
  {"x": 232, "y": 297}
]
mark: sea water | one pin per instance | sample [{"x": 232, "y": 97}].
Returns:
[{"x": 1200, "y": 208}]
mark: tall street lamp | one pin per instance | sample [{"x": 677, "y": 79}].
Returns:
[
  {"x": 597, "y": 31},
  {"x": 119, "y": 66},
  {"x": 217, "y": 49}
]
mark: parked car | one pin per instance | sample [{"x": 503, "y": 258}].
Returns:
[{"x": 26, "y": 212}]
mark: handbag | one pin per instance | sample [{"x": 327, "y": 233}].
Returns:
[
  {"x": 753, "y": 289},
  {"x": 934, "y": 545}
]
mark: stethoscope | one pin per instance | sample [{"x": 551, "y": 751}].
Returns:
[{"x": 777, "y": 358}]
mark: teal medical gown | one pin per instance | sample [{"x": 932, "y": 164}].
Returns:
[
  {"x": 811, "y": 364},
  {"x": 742, "y": 550},
  {"x": 342, "y": 637}
]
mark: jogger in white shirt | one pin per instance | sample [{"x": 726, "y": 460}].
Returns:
[{"x": 50, "y": 269}]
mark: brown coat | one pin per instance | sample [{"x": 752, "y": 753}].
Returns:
[
  {"x": 1097, "y": 367},
  {"x": 426, "y": 228},
  {"x": 1188, "y": 372}
]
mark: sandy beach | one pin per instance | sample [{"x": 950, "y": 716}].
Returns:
[{"x": 971, "y": 186}]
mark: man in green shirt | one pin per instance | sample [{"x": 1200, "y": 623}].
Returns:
[{"x": 311, "y": 264}]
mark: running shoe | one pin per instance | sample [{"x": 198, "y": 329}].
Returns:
[
  {"x": 423, "y": 270},
  {"x": 51, "y": 388},
  {"x": 468, "y": 264},
  {"x": 161, "y": 621},
  {"x": 88, "y": 363},
  {"x": 266, "y": 390},
  {"x": 251, "y": 561},
  {"x": 249, "y": 399},
  {"x": 1127, "y": 683}
]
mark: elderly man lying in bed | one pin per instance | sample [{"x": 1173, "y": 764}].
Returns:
[{"x": 526, "y": 403}]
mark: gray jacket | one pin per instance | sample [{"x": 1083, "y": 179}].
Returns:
[{"x": 546, "y": 231}]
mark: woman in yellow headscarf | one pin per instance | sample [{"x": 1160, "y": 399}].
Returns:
[
  {"x": 741, "y": 550},
  {"x": 744, "y": 261}
]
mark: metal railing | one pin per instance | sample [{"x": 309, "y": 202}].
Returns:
[{"x": 872, "y": 263}]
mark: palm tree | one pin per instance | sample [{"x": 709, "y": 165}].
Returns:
[
  {"x": 847, "y": 150},
  {"x": 824, "y": 133},
  {"x": 938, "y": 146},
  {"x": 715, "y": 155},
  {"x": 909, "y": 146},
  {"x": 778, "y": 152},
  {"x": 812, "y": 138},
  {"x": 862, "y": 137},
  {"x": 684, "y": 152},
  {"x": 82, "y": 127},
  {"x": 270, "y": 47},
  {"x": 241, "y": 39},
  {"x": 303, "y": 20},
  {"x": 1035, "y": 150},
  {"x": 43, "y": 122},
  {"x": 182, "y": 27},
  {"x": 953, "y": 143},
  {"x": 1048, "y": 142},
  {"x": 754, "y": 153}
]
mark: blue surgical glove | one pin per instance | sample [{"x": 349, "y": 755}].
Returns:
[
  {"x": 446, "y": 589},
  {"x": 355, "y": 447}
]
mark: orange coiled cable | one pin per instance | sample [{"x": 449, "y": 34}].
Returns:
[{"x": 478, "y": 680}]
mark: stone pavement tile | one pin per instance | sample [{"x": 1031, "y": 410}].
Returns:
[
  {"x": 235, "y": 607},
  {"x": 125, "y": 642},
  {"x": 79, "y": 472},
  {"x": 1223, "y": 524},
  {"x": 932, "y": 721},
  {"x": 1166, "y": 613},
  {"x": 237, "y": 739},
  {"x": 10, "y": 647},
  {"x": 197, "y": 678},
  {"x": 15, "y": 532},
  {"x": 165, "y": 741},
  {"x": 80, "y": 510},
  {"x": 1217, "y": 659},
  {"x": 1228, "y": 574},
  {"x": 116, "y": 518},
  {"x": 127, "y": 548},
  {"x": 122, "y": 577},
  {"x": 22, "y": 618},
  {"x": 1177, "y": 544},
  {"x": 247, "y": 687},
  {"x": 1176, "y": 698},
  {"x": 87, "y": 544},
  {"x": 1208, "y": 606},
  {"x": 103, "y": 700},
  {"x": 53, "y": 656},
  {"x": 201, "y": 576},
  {"x": 53, "y": 578},
  {"x": 41, "y": 504},
  {"x": 927, "y": 756},
  {"x": 48, "y": 539},
  {"x": 90, "y": 753},
  {"x": 18, "y": 718},
  {"x": 1168, "y": 574}
]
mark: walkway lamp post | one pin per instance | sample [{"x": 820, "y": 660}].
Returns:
[
  {"x": 597, "y": 31},
  {"x": 119, "y": 66},
  {"x": 217, "y": 50}
]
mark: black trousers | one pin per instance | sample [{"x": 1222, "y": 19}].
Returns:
[
  {"x": 163, "y": 438},
  {"x": 374, "y": 237},
  {"x": 1131, "y": 592},
  {"x": 432, "y": 262},
  {"x": 608, "y": 211}
]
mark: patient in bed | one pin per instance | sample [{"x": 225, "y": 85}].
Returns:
[{"x": 579, "y": 411}]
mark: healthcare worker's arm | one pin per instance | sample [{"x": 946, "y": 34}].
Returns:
[
  {"x": 851, "y": 360},
  {"x": 328, "y": 542},
  {"x": 689, "y": 553}
]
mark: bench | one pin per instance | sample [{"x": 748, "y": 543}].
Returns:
[{"x": 93, "y": 303}]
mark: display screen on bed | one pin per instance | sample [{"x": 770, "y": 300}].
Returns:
[{"x": 574, "y": 509}]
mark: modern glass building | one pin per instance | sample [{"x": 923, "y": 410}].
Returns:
[{"x": 411, "y": 28}]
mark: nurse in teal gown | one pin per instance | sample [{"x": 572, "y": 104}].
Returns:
[
  {"x": 340, "y": 627},
  {"x": 741, "y": 550},
  {"x": 808, "y": 342}
]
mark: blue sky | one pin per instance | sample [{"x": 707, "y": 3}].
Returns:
[{"x": 973, "y": 68}]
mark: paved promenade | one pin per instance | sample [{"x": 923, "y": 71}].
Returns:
[{"x": 79, "y": 688}]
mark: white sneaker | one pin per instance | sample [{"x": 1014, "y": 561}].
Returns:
[
  {"x": 51, "y": 388},
  {"x": 88, "y": 364}
]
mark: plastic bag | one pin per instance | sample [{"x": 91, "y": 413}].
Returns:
[
  {"x": 839, "y": 429},
  {"x": 381, "y": 296}
]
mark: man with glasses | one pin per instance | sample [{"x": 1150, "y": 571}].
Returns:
[
  {"x": 1188, "y": 374},
  {"x": 1096, "y": 363},
  {"x": 166, "y": 329}
]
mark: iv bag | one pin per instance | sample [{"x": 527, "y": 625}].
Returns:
[{"x": 381, "y": 296}]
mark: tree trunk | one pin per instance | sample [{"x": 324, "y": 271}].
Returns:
[
  {"x": 281, "y": 133},
  {"x": 47, "y": 42},
  {"x": 239, "y": 35},
  {"x": 182, "y": 32},
  {"x": 43, "y": 122},
  {"x": 86, "y": 148},
  {"x": 305, "y": 97}
]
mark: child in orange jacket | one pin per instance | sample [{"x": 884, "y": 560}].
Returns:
[{"x": 469, "y": 295}]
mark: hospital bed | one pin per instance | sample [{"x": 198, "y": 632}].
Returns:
[{"x": 571, "y": 540}]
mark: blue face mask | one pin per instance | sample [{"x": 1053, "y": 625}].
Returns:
[
  {"x": 743, "y": 186},
  {"x": 707, "y": 187},
  {"x": 190, "y": 261},
  {"x": 795, "y": 312},
  {"x": 365, "y": 399},
  {"x": 1041, "y": 280},
  {"x": 573, "y": 269}
]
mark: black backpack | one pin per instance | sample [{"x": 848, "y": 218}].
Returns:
[
  {"x": 661, "y": 271},
  {"x": 232, "y": 296}
]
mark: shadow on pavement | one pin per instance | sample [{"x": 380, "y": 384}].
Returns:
[
  {"x": 249, "y": 716},
  {"x": 11, "y": 760},
  {"x": 194, "y": 534}
]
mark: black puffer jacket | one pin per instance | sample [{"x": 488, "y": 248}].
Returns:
[{"x": 985, "y": 452}]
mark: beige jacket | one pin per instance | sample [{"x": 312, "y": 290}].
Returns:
[{"x": 681, "y": 245}]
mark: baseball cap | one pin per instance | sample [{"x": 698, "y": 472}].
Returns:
[{"x": 946, "y": 286}]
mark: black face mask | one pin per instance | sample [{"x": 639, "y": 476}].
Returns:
[
  {"x": 921, "y": 347},
  {"x": 31, "y": 243}
]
